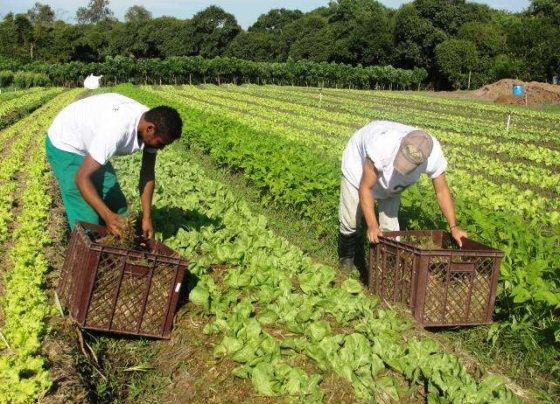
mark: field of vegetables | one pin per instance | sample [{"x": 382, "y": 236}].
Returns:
[{"x": 267, "y": 319}]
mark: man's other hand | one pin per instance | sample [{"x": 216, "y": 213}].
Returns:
[
  {"x": 373, "y": 235},
  {"x": 458, "y": 234},
  {"x": 147, "y": 228},
  {"x": 115, "y": 224}
]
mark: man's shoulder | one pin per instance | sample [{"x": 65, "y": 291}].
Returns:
[{"x": 112, "y": 99}]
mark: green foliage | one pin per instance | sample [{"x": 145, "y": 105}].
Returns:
[
  {"x": 30, "y": 79},
  {"x": 6, "y": 78},
  {"x": 23, "y": 376},
  {"x": 273, "y": 307},
  {"x": 455, "y": 59},
  {"x": 193, "y": 70},
  {"x": 502, "y": 217},
  {"x": 356, "y": 32}
]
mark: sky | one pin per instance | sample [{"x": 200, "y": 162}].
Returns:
[{"x": 246, "y": 11}]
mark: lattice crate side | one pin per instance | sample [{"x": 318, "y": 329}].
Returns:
[
  {"x": 140, "y": 296},
  {"x": 134, "y": 286},
  {"x": 65, "y": 280},
  {"x": 123, "y": 291},
  {"x": 456, "y": 289},
  {"x": 161, "y": 288},
  {"x": 447, "y": 287},
  {"x": 391, "y": 273},
  {"x": 73, "y": 281},
  {"x": 104, "y": 289}
]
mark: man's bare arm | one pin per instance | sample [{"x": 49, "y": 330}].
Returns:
[
  {"x": 367, "y": 203},
  {"x": 146, "y": 187},
  {"x": 88, "y": 191},
  {"x": 445, "y": 201}
]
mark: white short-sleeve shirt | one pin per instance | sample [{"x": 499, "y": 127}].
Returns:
[
  {"x": 101, "y": 125},
  {"x": 380, "y": 141}
]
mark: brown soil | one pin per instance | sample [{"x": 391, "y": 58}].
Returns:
[
  {"x": 194, "y": 374},
  {"x": 537, "y": 93}
]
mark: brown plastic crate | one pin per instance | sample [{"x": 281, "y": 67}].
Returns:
[
  {"x": 442, "y": 286},
  {"x": 118, "y": 290}
]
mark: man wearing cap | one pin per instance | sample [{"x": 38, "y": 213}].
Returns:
[{"x": 380, "y": 161}]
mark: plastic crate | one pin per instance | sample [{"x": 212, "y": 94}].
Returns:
[
  {"x": 118, "y": 290},
  {"x": 443, "y": 285}
]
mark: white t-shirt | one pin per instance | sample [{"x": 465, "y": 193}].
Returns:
[
  {"x": 101, "y": 125},
  {"x": 380, "y": 141}
]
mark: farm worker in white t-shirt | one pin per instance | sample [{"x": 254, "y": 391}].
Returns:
[
  {"x": 380, "y": 161},
  {"x": 82, "y": 139}
]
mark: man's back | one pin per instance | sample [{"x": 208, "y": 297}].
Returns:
[{"x": 101, "y": 125}]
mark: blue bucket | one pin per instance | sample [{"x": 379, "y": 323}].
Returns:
[{"x": 517, "y": 90}]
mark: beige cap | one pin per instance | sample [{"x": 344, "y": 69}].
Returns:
[{"x": 415, "y": 148}]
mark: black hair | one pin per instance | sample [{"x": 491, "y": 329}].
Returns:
[{"x": 166, "y": 120}]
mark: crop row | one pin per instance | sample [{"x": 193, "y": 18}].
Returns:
[
  {"x": 306, "y": 181},
  {"x": 14, "y": 145},
  {"x": 23, "y": 376},
  {"x": 523, "y": 201},
  {"x": 333, "y": 127},
  {"x": 355, "y": 111},
  {"x": 15, "y": 108},
  {"x": 283, "y": 318},
  {"x": 344, "y": 107},
  {"x": 8, "y": 95},
  {"x": 455, "y": 105}
]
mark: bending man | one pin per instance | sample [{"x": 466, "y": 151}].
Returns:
[
  {"x": 82, "y": 139},
  {"x": 380, "y": 161}
]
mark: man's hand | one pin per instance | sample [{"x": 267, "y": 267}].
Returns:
[
  {"x": 147, "y": 228},
  {"x": 458, "y": 234},
  {"x": 373, "y": 235},
  {"x": 114, "y": 223}
]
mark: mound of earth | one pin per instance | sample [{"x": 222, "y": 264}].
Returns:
[{"x": 537, "y": 93}]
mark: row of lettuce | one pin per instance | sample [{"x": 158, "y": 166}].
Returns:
[
  {"x": 284, "y": 320},
  {"x": 14, "y": 105},
  {"x": 24, "y": 303},
  {"x": 303, "y": 175}
]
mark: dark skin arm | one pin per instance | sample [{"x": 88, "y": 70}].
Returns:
[
  {"x": 367, "y": 202},
  {"x": 89, "y": 166},
  {"x": 146, "y": 186}
]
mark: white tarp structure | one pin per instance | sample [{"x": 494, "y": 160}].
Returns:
[{"x": 92, "y": 82}]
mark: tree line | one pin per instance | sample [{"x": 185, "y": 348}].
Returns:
[
  {"x": 455, "y": 42},
  {"x": 219, "y": 70}
]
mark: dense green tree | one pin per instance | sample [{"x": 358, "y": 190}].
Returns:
[
  {"x": 354, "y": 32},
  {"x": 548, "y": 9},
  {"x": 488, "y": 38},
  {"x": 361, "y": 32},
  {"x": 294, "y": 34},
  {"x": 415, "y": 38},
  {"x": 275, "y": 20},
  {"x": 254, "y": 45},
  {"x": 212, "y": 31},
  {"x": 456, "y": 59},
  {"x": 316, "y": 46}
]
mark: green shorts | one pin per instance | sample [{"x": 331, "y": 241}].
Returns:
[{"x": 65, "y": 165}]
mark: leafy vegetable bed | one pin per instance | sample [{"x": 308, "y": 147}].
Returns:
[
  {"x": 286, "y": 321},
  {"x": 23, "y": 376},
  {"x": 304, "y": 176}
]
